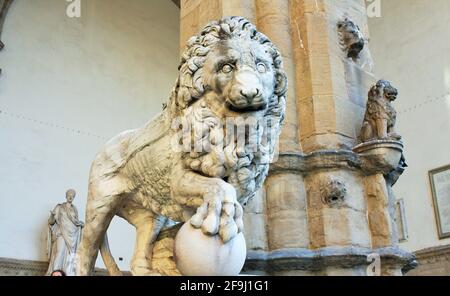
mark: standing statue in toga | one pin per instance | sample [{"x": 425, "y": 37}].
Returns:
[{"x": 65, "y": 233}]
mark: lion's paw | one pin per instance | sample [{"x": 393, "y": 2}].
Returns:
[{"x": 221, "y": 215}]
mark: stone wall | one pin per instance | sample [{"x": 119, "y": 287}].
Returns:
[{"x": 291, "y": 227}]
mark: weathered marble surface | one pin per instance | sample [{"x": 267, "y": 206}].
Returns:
[{"x": 187, "y": 163}]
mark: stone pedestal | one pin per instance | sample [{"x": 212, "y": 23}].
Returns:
[{"x": 325, "y": 207}]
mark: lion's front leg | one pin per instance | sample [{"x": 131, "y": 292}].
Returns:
[
  {"x": 218, "y": 210},
  {"x": 381, "y": 128}
]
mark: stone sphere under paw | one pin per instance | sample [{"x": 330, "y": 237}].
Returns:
[{"x": 197, "y": 254}]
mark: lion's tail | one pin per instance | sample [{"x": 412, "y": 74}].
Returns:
[{"x": 108, "y": 259}]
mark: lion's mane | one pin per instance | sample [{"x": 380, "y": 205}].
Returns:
[{"x": 244, "y": 169}]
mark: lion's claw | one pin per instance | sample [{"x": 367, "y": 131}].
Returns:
[
  {"x": 219, "y": 215},
  {"x": 228, "y": 231},
  {"x": 238, "y": 215},
  {"x": 210, "y": 225},
  {"x": 199, "y": 217}
]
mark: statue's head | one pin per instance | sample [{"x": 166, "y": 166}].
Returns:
[
  {"x": 70, "y": 195},
  {"x": 383, "y": 89},
  {"x": 235, "y": 68}
]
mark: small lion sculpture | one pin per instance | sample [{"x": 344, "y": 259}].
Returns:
[
  {"x": 380, "y": 117},
  {"x": 230, "y": 72}
]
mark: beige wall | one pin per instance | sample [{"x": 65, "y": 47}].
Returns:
[
  {"x": 410, "y": 44},
  {"x": 67, "y": 86}
]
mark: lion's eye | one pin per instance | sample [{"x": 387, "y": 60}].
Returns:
[
  {"x": 261, "y": 68},
  {"x": 227, "y": 68}
]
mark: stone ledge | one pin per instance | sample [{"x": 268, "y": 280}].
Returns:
[
  {"x": 17, "y": 267},
  {"x": 316, "y": 260},
  {"x": 433, "y": 261},
  {"x": 434, "y": 254},
  {"x": 433, "y": 251},
  {"x": 366, "y": 146},
  {"x": 324, "y": 159},
  {"x": 300, "y": 163}
]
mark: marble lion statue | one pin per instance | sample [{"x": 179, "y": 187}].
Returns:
[
  {"x": 380, "y": 117},
  {"x": 187, "y": 164}
]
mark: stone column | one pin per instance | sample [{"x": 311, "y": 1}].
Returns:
[
  {"x": 330, "y": 116},
  {"x": 285, "y": 224},
  {"x": 324, "y": 208}
]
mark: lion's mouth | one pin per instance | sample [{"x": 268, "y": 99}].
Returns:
[
  {"x": 246, "y": 107},
  {"x": 391, "y": 96}
]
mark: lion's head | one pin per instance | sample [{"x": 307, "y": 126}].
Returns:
[
  {"x": 230, "y": 70},
  {"x": 383, "y": 89},
  {"x": 351, "y": 38},
  {"x": 231, "y": 65}
]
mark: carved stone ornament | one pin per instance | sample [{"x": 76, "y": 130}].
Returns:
[
  {"x": 350, "y": 38},
  {"x": 333, "y": 192},
  {"x": 205, "y": 154}
]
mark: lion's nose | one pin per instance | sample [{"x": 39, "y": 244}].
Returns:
[{"x": 250, "y": 93}]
